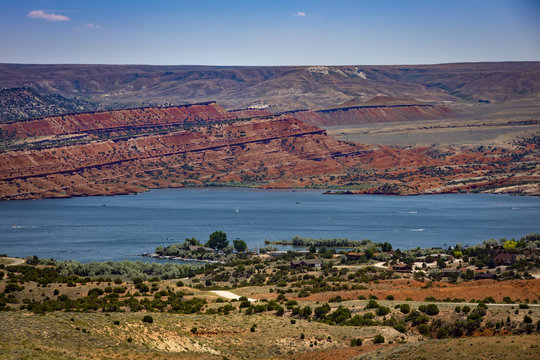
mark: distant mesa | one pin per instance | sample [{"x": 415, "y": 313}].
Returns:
[{"x": 285, "y": 87}]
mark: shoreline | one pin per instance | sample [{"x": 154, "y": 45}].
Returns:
[
  {"x": 504, "y": 190},
  {"x": 170, "y": 257}
]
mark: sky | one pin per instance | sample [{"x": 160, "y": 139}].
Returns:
[{"x": 234, "y": 32}]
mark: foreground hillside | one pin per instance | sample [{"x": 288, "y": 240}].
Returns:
[
  {"x": 95, "y": 336},
  {"x": 280, "y": 87},
  {"x": 331, "y": 304},
  {"x": 132, "y": 150}
]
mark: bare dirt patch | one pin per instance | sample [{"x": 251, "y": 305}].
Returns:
[{"x": 402, "y": 289}]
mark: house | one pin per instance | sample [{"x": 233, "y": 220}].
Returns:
[
  {"x": 401, "y": 268},
  {"x": 315, "y": 263},
  {"x": 504, "y": 258},
  {"x": 354, "y": 255},
  {"x": 532, "y": 253},
  {"x": 497, "y": 249},
  {"x": 485, "y": 275}
]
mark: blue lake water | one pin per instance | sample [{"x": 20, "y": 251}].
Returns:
[{"x": 119, "y": 227}]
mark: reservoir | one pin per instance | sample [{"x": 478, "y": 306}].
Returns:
[{"x": 120, "y": 227}]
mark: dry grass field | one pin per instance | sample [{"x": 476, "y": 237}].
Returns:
[{"x": 472, "y": 126}]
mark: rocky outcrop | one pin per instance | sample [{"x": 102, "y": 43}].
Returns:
[{"x": 372, "y": 114}]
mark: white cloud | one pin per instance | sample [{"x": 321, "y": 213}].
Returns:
[
  {"x": 93, "y": 26},
  {"x": 40, "y": 14},
  {"x": 300, "y": 13}
]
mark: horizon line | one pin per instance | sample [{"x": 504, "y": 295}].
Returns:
[{"x": 293, "y": 65}]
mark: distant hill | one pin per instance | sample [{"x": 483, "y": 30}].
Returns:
[
  {"x": 281, "y": 88},
  {"x": 24, "y": 103}
]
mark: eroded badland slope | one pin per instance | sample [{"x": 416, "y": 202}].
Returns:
[{"x": 131, "y": 150}]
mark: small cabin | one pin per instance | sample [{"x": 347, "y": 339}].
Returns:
[
  {"x": 315, "y": 263},
  {"x": 354, "y": 255},
  {"x": 504, "y": 258},
  {"x": 402, "y": 268}
]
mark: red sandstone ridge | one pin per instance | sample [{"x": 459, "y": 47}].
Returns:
[
  {"x": 130, "y": 151},
  {"x": 371, "y": 114},
  {"x": 118, "y": 120}
]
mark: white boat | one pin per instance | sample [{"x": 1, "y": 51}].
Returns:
[{"x": 236, "y": 211}]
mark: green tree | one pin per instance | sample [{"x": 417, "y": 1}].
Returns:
[
  {"x": 386, "y": 246},
  {"x": 510, "y": 245},
  {"x": 239, "y": 245},
  {"x": 193, "y": 242},
  {"x": 218, "y": 240}
]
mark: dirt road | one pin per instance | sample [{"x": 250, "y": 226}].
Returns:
[{"x": 228, "y": 295}]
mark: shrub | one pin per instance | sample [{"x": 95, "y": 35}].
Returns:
[
  {"x": 390, "y": 297},
  {"x": 356, "y": 342},
  {"x": 340, "y": 315},
  {"x": 527, "y": 319},
  {"x": 382, "y": 310},
  {"x": 12, "y": 287},
  {"x": 372, "y": 304},
  {"x": 423, "y": 329},
  {"x": 336, "y": 299},
  {"x": 401, "y": 328},
  {"x": 378, "y": 339},
  {"x": 302, "y": 336},
  {"x": 321, "y": 311},
  {"x": 405, "y": 308},
  {"x": 442, "y": 333},
  {"x": 466, "y": 309},
  {"x": 523, "y": 306},
  {"x": 432, "y": 309},
  {"x": 306, "y": 312},
  {"x": 148, "y": 319},
  {"x": 95, "y": 292}
]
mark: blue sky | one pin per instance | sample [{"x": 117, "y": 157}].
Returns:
[{"x": 231, "y": 32}]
